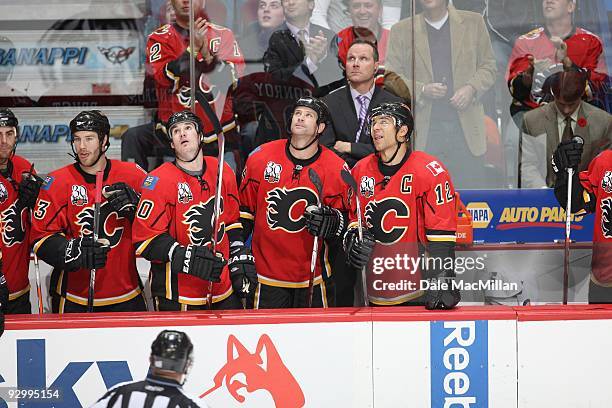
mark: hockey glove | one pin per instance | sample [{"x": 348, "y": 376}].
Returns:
[
  {"x": 358, "y": 252},
  {"x": 122, "y": 198},
  {"x": 84, "y": 252},
  {"x": 28, "y": 190},
  {"x": 324, "y": 222},
  {"x": 567, "y": 156},
  {"x": 242, "y": 271},
  {"x": 198, "y": 261},
  {"x": 442, "y": 295}
]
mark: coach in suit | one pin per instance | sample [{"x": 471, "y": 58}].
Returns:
[
  {"x": 349, "y": 105},
  {"x": 299, "y": 48},
  {"x": 453, "y": 66},
  {"x": 559, "y": 121}
]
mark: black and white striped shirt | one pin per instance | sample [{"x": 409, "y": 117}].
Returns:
[{"x": 153, "y": 392}]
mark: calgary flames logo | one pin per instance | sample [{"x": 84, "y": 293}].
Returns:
[
  {"x": 282, "y": 208},
  {"x": 262, "y": 370},
  {"x": 378, "y": 213},
  {"x": 606, "y": 217},
  {"x": 199, "y": 219},
  {"x": 111, "y": 224},
  {"x": 13, "y": 230}
]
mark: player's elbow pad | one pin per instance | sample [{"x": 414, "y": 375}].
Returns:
[{"x": 52, "y": 251}]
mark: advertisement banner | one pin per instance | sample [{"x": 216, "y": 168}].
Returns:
[
  {"x": 445, "y": 364},
  {"x": 252, "y": 365},
  {"x": 522, "y": 216},
  {"x": 70, "y": 62}
]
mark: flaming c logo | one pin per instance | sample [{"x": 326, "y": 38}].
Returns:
[{"x": 262, "y": 370}]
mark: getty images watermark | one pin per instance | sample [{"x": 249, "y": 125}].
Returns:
[{"x": 403, "y": 272}]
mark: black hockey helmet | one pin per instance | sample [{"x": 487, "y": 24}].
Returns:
[
  {"x": 8, "y": 118},
  {"x": 400, "y": 112},
  {"x": 172, "y": 351},
  {"x": 316, "y": 105},
  {"x": 183, "y": 116},
  {"x": 93, "y": 121}
]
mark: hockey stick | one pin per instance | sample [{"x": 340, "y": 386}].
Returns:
[
  {"x": 36, "y": 266},
  {"x": 568, "y": 227},
  {"x": 96, "y": 227},
  {"x": 350, "y": 181},
  {"x": 38, "y": 290},
  {"x": 316, "y": 180}
]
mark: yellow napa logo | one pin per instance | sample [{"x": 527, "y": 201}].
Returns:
[{"x": 481, "y": 214}]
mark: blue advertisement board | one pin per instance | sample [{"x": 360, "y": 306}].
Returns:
[{"x": 522, "y": 216}]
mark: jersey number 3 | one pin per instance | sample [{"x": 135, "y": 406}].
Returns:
[{"x": 41, "y": 209}]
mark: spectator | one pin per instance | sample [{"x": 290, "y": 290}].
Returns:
[
  {"x": 349, "y": 105},
  {"x": 331, "y": 14},
  {"x": 218, "y": 62},
  {"x": 366, "y": 17},
  {"x": 451, "y": 72},
  {"x": 548, "y": 49},
  {"x": 254, "y": 42},
  {"x": 559, "y": 121},
  {"x": 300, "y": 48}
]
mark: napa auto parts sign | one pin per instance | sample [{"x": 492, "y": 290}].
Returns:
[{"x": 522, "y": 216}]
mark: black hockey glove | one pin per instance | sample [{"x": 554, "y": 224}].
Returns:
[
  {"x": 198, "y": 261},
  {"x": 122, "y": 198},
  {"x": 440, "y": 297},
  {"x": 358, "y": 252},
  {"x": 324, "y": 222},
  {"x": 28, "y": 190},
  {"x": 84, "y": 252},
  {"x": 567, "y": 156},
  {"x": 242, "y": 271}
]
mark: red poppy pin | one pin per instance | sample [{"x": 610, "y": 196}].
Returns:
[{"x": 582, "y": 122}]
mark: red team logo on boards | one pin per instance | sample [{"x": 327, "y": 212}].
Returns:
[{"x": 262, "y": 370}]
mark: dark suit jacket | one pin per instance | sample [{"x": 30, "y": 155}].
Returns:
[
  {"x": 285, "y": 58},
  {"x": 344, "y": 122}
]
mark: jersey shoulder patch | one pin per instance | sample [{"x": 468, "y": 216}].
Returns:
[
  {"x": 47, "y": 183},
  {"x": 150, "y": 182}
]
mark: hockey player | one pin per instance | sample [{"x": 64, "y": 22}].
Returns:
[
  {"x": 18, "y": 191},
  {"x": 171, "y": 359},
  {"x": 591, "y": 193},
  {"x": 63, "y": 219},
  {"x": 219, "y": 62},
  {"x": 173, "y": 227},
  {"x": 407, "y": 199},
  {"x": 275, "y": 192}
]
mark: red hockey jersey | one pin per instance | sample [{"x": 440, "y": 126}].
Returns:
[
  {"x": 584, "y": 48},
  {"x": 15, "y": 227},
  {"x": 597, "y": 180},
  {"x": 262, "y": 97},
  {"x": 65, "y": 206},
  {"x": 274, "y": 194},
  {"x": 181, "y": 205},
  {"x": 167, "y": 58},
  {"x": 415, "y": 205}
]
